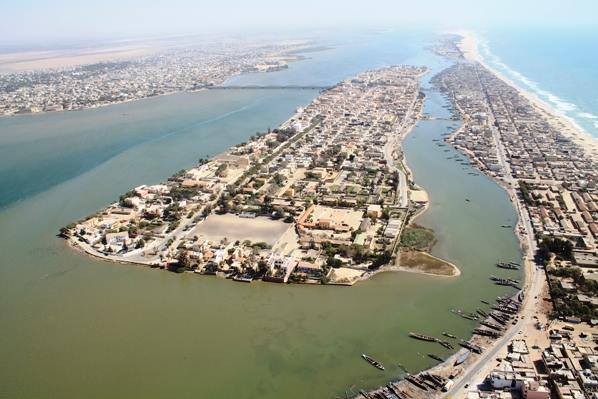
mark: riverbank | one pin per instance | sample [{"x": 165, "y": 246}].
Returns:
[{"x": 419, "y": 261}]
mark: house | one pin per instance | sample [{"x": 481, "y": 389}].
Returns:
[
  {"x": 392, "y": 228},
  {"x": 280, "y": 268},
  {"x": 533, "y": 390},
  {"x": 309, "y": 269},
  {"x": 117, "y": 238},
  {"x": 374, "y": 211}
]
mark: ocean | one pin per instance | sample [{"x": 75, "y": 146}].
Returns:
[{"x": 559, "y": 67}]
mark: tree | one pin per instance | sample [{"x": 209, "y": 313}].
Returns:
[
  {"x": 334, "y": 262},
  {"x": 380, "y": 260},
  {"x": 262, "y": 267},
  {"x": 183, "y": 260},
  {"x": 278, "y": 179},
  {"x": 64, "y": 232},
  {"x": 562, "y": 248}
]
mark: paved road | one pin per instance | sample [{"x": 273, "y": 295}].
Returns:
[{"x": 394, "y": 140}]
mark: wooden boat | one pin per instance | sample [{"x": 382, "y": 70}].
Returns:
[
  {"x": 422, "y": 337},
  {"x": 435, "y": 357},
  {"x": 446, "y": 344},
  {"x": 373, "y": 362}
]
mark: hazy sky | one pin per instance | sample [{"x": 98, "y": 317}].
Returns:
[{"x": 44, "y": 21}]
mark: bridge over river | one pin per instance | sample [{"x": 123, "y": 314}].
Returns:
[{"x": 269, "y": 87}]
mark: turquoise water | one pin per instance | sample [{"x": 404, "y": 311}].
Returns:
[
  {"x": 560, "y": 67},
  {"x": 73, "y": 326}
]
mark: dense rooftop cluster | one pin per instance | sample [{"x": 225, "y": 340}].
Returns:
[
  {"x": 323, "y": 198},
  {"x": 556, "y": 177},
  {"x": 104, "y": 83},
  {"x": 565, "y": 367}
]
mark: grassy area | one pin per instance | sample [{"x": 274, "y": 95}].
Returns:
[
  {"x": 423, "y": 262},
  {"x": 417, "y": 238}
]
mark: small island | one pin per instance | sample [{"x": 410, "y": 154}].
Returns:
[{"x": 323, "y": 199}]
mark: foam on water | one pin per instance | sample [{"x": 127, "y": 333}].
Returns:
[
  {"x": 578, "y": 114},
  {"x": 560, "y": 104}
]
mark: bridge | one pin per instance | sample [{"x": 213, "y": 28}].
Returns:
[{"x": 271, "y": 87}]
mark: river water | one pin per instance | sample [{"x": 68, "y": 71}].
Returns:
[{"x": 76, "y": 327}]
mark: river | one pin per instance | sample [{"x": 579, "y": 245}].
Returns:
[{"x": 76, "y": 327}]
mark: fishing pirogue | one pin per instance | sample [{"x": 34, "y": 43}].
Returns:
[{"x": 373, "y": 362}]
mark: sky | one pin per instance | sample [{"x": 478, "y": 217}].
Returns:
[{"x": 46, "y": 21}]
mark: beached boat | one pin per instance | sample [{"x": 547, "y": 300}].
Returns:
[
  {"x": 373, "y": 362},
  {"x": 463, "y": 357},
  {"x": 243, "y": 278},
  {"x": 508, "y": 265},
  {"x": 472, "y": 347}
]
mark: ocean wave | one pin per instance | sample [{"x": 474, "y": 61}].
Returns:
[
  {"x": 560, "y": 104},
  {"x": 587, "y": 115}
]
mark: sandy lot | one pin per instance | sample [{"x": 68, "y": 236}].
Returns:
[
  {"x": 233, "y": 227},
  {"x": 36, "y": 60},
  {"x": 345, "y": 276},
  {"x": 338, "y": 216}
]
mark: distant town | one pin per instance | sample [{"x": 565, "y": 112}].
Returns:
[
  {"x": 163, "y": 72},
  {"x": 324, "y": 198}
]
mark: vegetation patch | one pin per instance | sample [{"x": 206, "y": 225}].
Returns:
[
  {"x": 417, "y": 238},
  {"x": 568, "y": 303}
]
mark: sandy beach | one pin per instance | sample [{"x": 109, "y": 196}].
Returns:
[{"x": 469, "y": 46}]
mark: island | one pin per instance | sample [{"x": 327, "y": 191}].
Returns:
[{"x": 325, "y": 198}]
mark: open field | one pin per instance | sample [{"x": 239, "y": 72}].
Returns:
[{"x": 217, "y": 227}]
